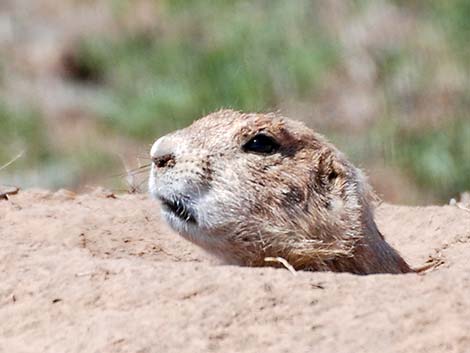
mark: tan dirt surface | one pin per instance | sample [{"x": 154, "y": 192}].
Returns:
[{"x": 102, "y": 273}]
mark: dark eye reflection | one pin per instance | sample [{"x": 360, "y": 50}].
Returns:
[{"x": 262, "y": 144}]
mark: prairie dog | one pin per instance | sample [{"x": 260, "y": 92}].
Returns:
[{"x": 246, "y": 186}]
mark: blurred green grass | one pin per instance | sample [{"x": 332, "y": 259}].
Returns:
[
  {"x": 253, "y": 56},
  {"x": 214, "y": 54},
  {"x": 439, "y": 159},
  {"x": 23, "y": 130},
  {"x": 42, "y": 163}
]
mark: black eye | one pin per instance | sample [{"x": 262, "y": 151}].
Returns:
[{"x": 261, "y": 144}]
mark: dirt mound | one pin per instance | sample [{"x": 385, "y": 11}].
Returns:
[{"x": 102, "y": 273}]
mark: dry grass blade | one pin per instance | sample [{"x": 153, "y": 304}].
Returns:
[
  {"x": 463, "y": 207},
  {"x": 12, "y": 161},
  {"x": 283, "y": 262},
  {"x": 431, "y": 264}
]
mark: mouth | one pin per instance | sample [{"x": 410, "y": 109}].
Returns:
[{"x": 179, "y": 209}]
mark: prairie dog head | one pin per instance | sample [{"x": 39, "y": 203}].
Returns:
[{"x": 248, "y": 186}]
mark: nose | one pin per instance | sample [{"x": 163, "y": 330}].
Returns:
[{"x": 162, "y": 153}]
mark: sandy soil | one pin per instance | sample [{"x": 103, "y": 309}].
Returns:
[{"x": 93, "y": 273}]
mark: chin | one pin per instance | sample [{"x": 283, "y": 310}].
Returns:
[
  {"x": 192, "y": 231},
  {"x": 178, "y": 224}
]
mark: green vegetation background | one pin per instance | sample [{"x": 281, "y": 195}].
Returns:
[{"x": 254, "y": 56}]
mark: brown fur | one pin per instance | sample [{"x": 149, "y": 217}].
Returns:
[{"x": 305, "y": 203}]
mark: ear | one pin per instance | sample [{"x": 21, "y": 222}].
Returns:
[{"x": 331, "y": 169}]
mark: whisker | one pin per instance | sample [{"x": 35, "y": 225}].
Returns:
[
  {"x": 141, "y": 167},
  {"x": 137, "y": 171}
]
